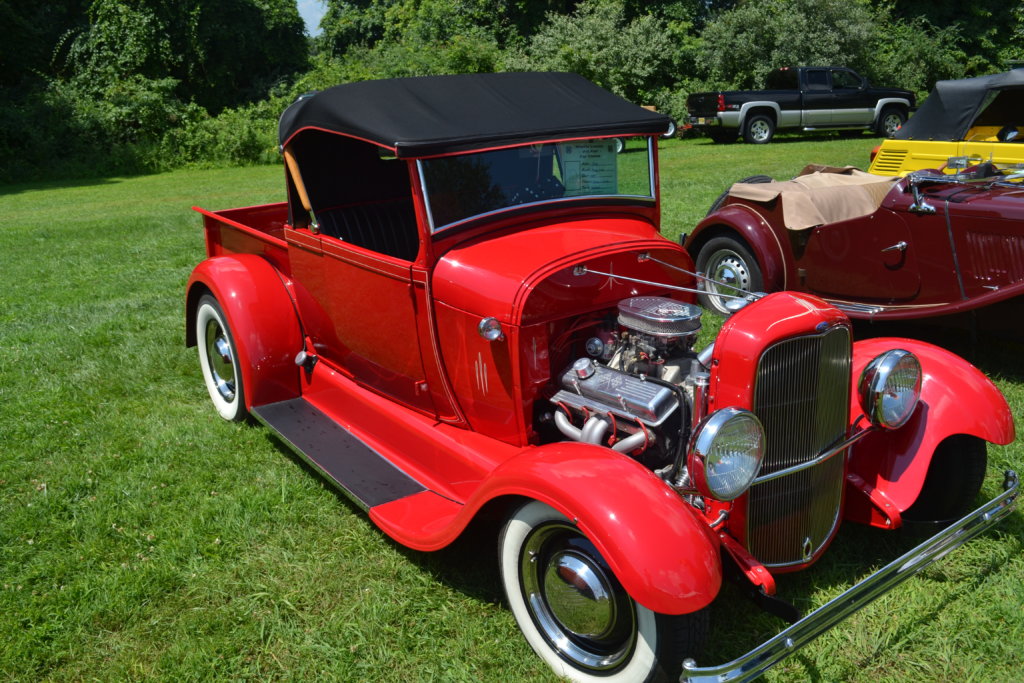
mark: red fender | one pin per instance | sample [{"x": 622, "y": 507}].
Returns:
[
  {"x": 263, "y": 321},
  {"x": 663, "y": 554},
  {"x": 956, "y": 398},
  {"x": 756, "y": 232}
]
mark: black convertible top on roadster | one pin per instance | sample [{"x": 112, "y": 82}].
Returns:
[
  {"x": 953, "y": 107},
  {"x": 431, "y": 115}
]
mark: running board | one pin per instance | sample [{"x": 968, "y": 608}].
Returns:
[{"x": 361, "y": 473}]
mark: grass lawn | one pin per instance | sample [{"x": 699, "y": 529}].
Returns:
[{"x": 143, "y": 537}]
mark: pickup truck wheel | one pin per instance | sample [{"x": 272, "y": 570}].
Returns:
[
  {"x": 759, "y": 129},
  {"x": 218, "y": 358},
  {"x": 729, "y": 261},
  {"x": 890, "y": 121},
  {"x": 953, "y": 480},
  {"x": 576, "y": 615}
]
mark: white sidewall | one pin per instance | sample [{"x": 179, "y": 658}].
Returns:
[
  {"x": 229, "y": 410},
  {"x": 641, "y": 662}
]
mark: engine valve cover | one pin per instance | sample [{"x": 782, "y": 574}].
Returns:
[{"x": 601, "y": 389}]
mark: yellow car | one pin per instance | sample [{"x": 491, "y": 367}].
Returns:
[{"x": 979, "y": 119}]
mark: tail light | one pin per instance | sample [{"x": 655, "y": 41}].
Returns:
[
  {"x": 874, "y": 153},
  {"x": 721, "y": 102}
]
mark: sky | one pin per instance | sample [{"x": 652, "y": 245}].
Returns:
[{"x": 311, "y": 12}]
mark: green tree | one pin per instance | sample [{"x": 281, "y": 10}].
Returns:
[
  {"x": 628, "y": 57},
  {"x": 220, "y": 52},
  {"x": 743, "y": 44},
  {"x": 32, "y": 31}
]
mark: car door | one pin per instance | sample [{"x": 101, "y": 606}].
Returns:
[
  {"x": 817, "y": 95},
  {"x": 851, "y": 103},
  {"x": 871, "y": 258}
]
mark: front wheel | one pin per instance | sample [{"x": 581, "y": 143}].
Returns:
[
  {"x": 575, "y": 614},
  {"x": 954, "y": 478},
  {"x": 218, "y": 358},
  {"x": 891, "y": 120},
  {"x": 727, "y": 261}
]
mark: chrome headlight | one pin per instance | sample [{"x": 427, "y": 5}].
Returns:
[
  {"x": 725, "y": 453},
  {"x": 890, "y": 387}
]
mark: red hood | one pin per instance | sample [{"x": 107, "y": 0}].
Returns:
[{"x": 494, "y": 275}]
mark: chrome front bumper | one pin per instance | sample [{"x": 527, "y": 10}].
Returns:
[{"x": 771, "y": 652}]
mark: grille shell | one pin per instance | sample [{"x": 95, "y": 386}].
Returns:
[{"x": 802, "y": 396}]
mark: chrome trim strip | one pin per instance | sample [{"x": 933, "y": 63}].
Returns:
[
  {"x": 825, "y": 455},
  {"x": 754, "y": 663},
  {"x": 584, "y": 270}
]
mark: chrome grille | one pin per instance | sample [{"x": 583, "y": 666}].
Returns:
[{"x": 801, "y": 395}]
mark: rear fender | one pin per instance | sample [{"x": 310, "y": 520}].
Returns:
[
  {"x": 752, "y": 229},
  {"x": 956, "y": 398},
  {"x": 263, "y": 321},
  {"x": 664, "y": 555}
]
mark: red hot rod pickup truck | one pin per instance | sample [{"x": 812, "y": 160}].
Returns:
[{"x": 465, "y": 307}]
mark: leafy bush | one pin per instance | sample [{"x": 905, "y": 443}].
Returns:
[{"x": 597, "y": 42}]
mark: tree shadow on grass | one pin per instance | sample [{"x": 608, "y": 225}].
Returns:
[{"x": 48, "y": 185}]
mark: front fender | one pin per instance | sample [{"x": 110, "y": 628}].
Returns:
[
  {"x": 663, "y": 554},
  {"x": 956, "y": 398},
  {"x": 755, "y": 231},
  {"x": 263, "y": 321}
]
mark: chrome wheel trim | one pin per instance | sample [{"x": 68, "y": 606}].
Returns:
[
  {"x": 759, "y": 130},
  {"x": 729, "y": 267},
  {"x": 891, "y": 123},
  {"x": 577, "y": 605},
  {"x": 220, "y": 359}
]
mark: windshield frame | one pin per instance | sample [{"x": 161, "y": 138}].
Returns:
[{"x": 617, "y": 198}]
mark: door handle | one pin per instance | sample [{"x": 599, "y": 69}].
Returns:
[{"x": 900, "y": 246}]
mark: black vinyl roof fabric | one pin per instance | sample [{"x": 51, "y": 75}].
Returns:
[
  {"x": 954, "y": 106},
  {"x": 433, "y": 115}
]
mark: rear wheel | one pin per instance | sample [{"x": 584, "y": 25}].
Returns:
[
  {"x": 218, "y": 358},
  {"x": 575, "y": 614},
  {"x": 759, "y": 130},
  {"x": 953, "y": 481},
  {"x": 730, "y": 262}
]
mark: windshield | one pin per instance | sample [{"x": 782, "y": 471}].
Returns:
[{"x": 459, "y": 188}]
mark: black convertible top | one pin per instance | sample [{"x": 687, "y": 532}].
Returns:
[
  {"x": 431, "y": 115},
  {"x": 953, "y": 107}
]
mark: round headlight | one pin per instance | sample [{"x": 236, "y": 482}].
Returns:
[
  {"x": 725, "y": 453},
  {"x": 890, "y": 387}
]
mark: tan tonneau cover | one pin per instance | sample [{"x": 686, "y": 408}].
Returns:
[{"x": 821, "y": 194}]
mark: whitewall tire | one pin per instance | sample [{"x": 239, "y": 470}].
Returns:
[
  {"x": 218, "y": 358},
  {"x": 575, "y": 614}
]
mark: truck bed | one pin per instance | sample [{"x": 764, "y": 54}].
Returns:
[{"x": 248, "y": 230}]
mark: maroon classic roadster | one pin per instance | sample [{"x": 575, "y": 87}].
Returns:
[
  {"x": 464, "y": 308},
  {"x": 875, "y": 247}
]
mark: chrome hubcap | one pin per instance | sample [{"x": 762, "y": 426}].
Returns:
[
  {"x": 892, "y": 124},
  {"x": 575, "y": 601},
  {"x": 729, "y": 268},
  {"x": 221, "y": 360},
  {"x": 579, "y": 595},
  {"x": 759, "y": 130}
]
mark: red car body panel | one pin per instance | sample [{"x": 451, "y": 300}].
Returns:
[
  {"x": 256, "y": 302},
  {"x": 956, "y": 398}
]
